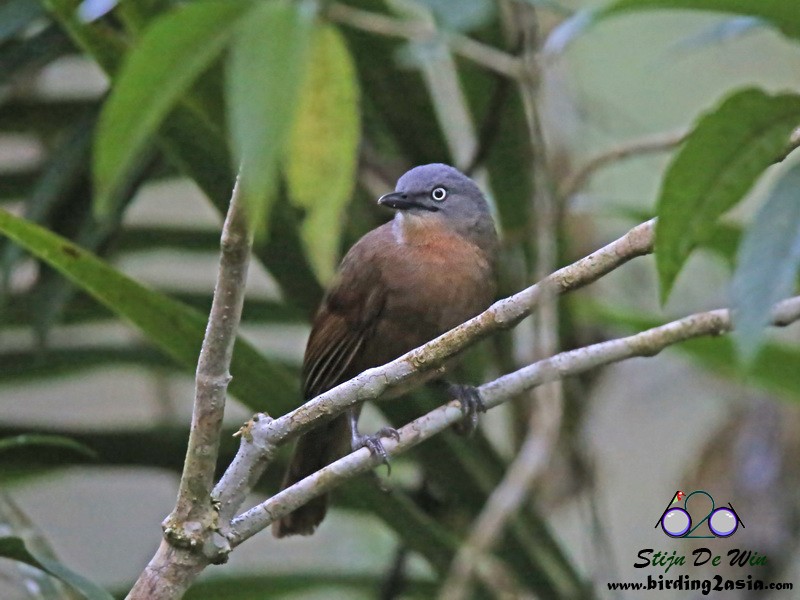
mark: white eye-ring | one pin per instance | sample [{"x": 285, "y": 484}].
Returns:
[{"x": 439, "y": 194}]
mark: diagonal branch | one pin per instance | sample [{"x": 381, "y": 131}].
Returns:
[
  {"x": 644, "y": 344},
  {"x": 416, "y": 366},
  {"x": 486, "y": 56},
  {"x": 662, "y": 142}
]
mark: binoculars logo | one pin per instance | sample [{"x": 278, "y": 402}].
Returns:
[{"x": 676, "y": 521}]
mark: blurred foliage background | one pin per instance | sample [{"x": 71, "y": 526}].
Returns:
[{"x": 121, "y": 126}]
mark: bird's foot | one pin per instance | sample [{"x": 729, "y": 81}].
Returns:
[
  {"x": 471, "y": 405},
  {"x": 374, "y": 444}
]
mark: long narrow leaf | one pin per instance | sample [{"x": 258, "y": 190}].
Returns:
[
  {"x": 65, "y": 166},
  {"x": 37, "y": 365},
  {"x": 14, "y": 549},
  {"x": 105, "y": 45},
  {"x": 323, "y": 147},
  {"x": 170, "y": 56},
  {"x": 173, "y": 327},
  {"x": 61, "y": 442},
  {"x": 194, "y": 141},
  {"x": 264, "y": 77}
]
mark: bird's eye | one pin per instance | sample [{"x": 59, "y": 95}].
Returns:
[{"x": 439, "y": 194}]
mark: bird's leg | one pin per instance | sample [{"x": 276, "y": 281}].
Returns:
[
  {"x": 471, "y": 405},
  {"x": 370, "y": 442}
]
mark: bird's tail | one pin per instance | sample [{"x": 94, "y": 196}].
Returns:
[{"x": 314, "y": 450}]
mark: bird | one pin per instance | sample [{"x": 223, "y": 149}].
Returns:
[{"x": 429, "y": 269}]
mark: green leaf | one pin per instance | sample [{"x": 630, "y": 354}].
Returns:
[
  {"x": 719, "y": 162},
  {"x": 194, "y": 141},
  {"x": 783, "y": 14},
  {"x": 177, "y": 329},
  {"x": 722, "y": 239},
  {"x": 171, "y": 54},
  {"x": 767, "y": 264},
  {"x": 65, "y": 166},
  {"x": 322, "y": 149},
  {"x": 50, "y": 441},
  {"x": 266, "y": 68},
  {"x": 14, "y": 549}
]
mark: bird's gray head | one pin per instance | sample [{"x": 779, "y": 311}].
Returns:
[{"x": 443, "y": 193}]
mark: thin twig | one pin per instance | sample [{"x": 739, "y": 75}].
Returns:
[
  {"x": 190, "y": 541},
  {"x": 481, "y": 54},
  {"x": 545, "y": 412},
  {"x": 487, "y": 56},
  {"x": 661, "y": 142},
  {"x": 644, "y": 344}
]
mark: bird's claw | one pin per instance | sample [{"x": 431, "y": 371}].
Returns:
[
  {"x": 471, "y": 405},
  {"x": 374, "y": 444}
]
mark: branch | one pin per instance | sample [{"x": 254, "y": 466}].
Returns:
[
  {"x": 644, "y": 344},
  {"x": 420, "y": 364},
  {"x": 545, "y": 410},
  {"x": 260, "y": 437},
  {"x": 195, "y": 534},
  {"x": 191, "y": 525},
  {"x": 661, "y": 142},
  {"x": 486, "y": 56}
]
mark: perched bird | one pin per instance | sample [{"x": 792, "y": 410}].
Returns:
[{"x": 404, "y": 283}]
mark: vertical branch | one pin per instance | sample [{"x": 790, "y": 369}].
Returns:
[
  {"x": 544, "y": 419},
  {"x": 190, "y": 539},
  {"x": 213, "y": 374}
]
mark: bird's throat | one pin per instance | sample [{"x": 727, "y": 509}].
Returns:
[
  {"x": 398, "y": 228},
  {"x": 413, "y": 229}
]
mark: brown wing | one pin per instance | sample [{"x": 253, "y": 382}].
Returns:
[
  {"x": 333, "y": 345},
  {"x": 342, "y": 329},
  {"x": 344, "y": 323}
]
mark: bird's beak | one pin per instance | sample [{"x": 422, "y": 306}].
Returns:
[
  {"x": 397, "y": 200},
  {"x": 401, "y": 201}
]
